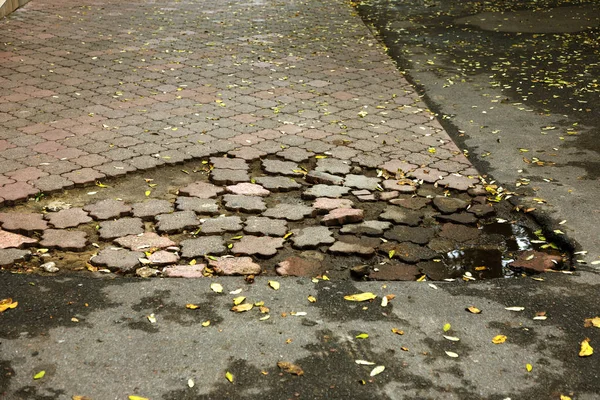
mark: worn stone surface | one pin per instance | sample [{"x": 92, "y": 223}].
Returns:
[
  {"x": 418, "y": 235},
  {"x": 322, "y": 205},
  {"x": 120, "y": 227},
  {"x": 198, "y": 205},
  {"x": 248, "y": 189},
  {"x": 408, "y": 252},
  {"x": 198, "y": 247},
  {"x": 118, "y": 259},
  {"x": 68, "y": 218},
  {"x": 458, "y": 182},
  {"x": 23, "y": 222},
  {"x": 10, "y": 256},
  {"x": 278, "y": 183},
  {"x": 184, "y": 271},
  {"x": 401, "y": 185},
  {"x": 347, "y": 244},
  {"x": 258, "y": 245},
  {"x": 399, "y": 215},
  {"x": 536, "y": 261},
  {"x": 333, "y": 166},
  {"x": 386, "y": 196},
  {"x": 311, "y": 237},
  {"x": 482, "y": 210},
  {"x": 163, "y": 257},
  {"x": 108, "y": 209},
  {"x": 228, "y": 176},
  {"x": 203, "y": 190},
  {"x": 395, "y": 272},
  {"x": 234, "y": 266},
  {"x": 265, "y": 226},
  {"x": 459, "y": 233},
  {"x": 247, "y": 204},
  {"x": 341, "y": 216},
  {"x": 361, "y": 182},
  {"x": 413, "y": 203},
  {"x": 369, "y": 228},
  {"x": 177, "y": 221},
  {"x": 221, "y": 224},
  {"x": 277, "y": 167},
  {"x": 147, "y": 240},
  {"x": 459, "y": 218},
  {"x": 436, "y": 270},
  {"x": 325, "y": 191},
  {"x": 14, "y": 240},
  {"x": 323, "y": 178},
  {"x": 229, "y": 163},
  {"x": 297, "y": 266},
  {"x": 64, "y": 240},
  {"x": 290, "y": 212},
  {"x": 449, "y": 205},
  {"x": 151, "y": 208}
]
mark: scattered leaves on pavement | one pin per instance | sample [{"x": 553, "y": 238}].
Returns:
[
  {"x": 274, "y": 285},
  {"x": 377, "y": 370},
  {"x": 360, "y": 297},
  {"x": 586, "y": 349},
  {"x": 499, "y": 339},
  {"x": 589, "y": 322},
  {"x": 5, "y": 304},
  {"x": 216, "y": 287},
  {"x": 473, "y": 310},
  {"x": 242, "y": 307}
]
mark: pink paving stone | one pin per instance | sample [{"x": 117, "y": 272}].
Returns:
[
  {"x": 26, "y": 174},
  {"x": 17, "y": 191},
  {"x": 163, "y": 257},
  {"x": 536, "y": 261},
  {"x": 402, "y": 186},
  {"x": 458, "y": 182},
  {"x": 248, "y": 189},
  {"x": 64, "y": 240},
  {"x": 430, "y": 175},
  {"x": 341, "y": 216},
  {"x": 324, "y": 204},
  {"x": 147, "y": 240},
  {"x": 235, "y": 266},
  {"x": 23, "y": 222},
  {"x": 258, "y": 245},
  {"x": 185, "y": 271},
  {"x": 55, "y": 134},
  {"x": 5, "y": 181},
  {"x": 202, "y": 190},
  {"x": 83, "y": 176},
  {"x": 9, "y": 239},
  {"x": 296, "y": 266},
  {"x": 393, "y": 166},
  {"x": 91, "y": 160},
  {"x": 68, "y": 218},
  {"x": 47, "y": 147}
]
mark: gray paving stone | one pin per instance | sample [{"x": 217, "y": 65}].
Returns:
[
  {"x": 347, "y": 245},
  {"x": 64, "y": 240},
  {"x": 203, "y": 190},
  {"x": 221, "y": 225},
  {"x": 278, "y": 183},
  {"x": 199, "y": 247},
  {"x": 11, "y": 256},
  {"x": 23, "y": 222},
  {"x": 449, "y": 205},
  {"x": 413, "y": 203},
  {"x": 290, "y": 212},
  {"x": 228, "y": 176},
  {"x": 333, "y": 166},
  {"x": 235, "y": 266},
  {"x": 265, "y": 226},
  {"x": 297, "y": 266},
  {"x": 248, "y": 153},
  {"x": 277, "y": 167},
  {"x": 248, "y": 189},
  {"x": 399, "y": 215},
  {"x": 145, "y": 241},
  {"x": 417, "y": 235},
  {"x": 108, "y": 209},
  {"x": 14, "y": 240},
  {"x": 295, "y": 154},
  {"x": 198, "y": 205},
  {"x": 323, "y": 205},
  {"x": 184, "y": 271},
  {"x": 177, "y": 221},
  {"x": 246, "y": 204},
  {"x": 323, "y": 178},
  {"x": 68, "y": 218},
  {"x": 229, "y": 163},
  {"x": 265, "y": 246},
  {"x": 311, "y": 237},
  {"x": 118, "y": 259},
  {"x": 385, "y": 196},
  {"x": 163, "y": 257},
  {"x": 325, "y": 191},
  {"x": 342, "y": 216},
  {"x": 408, "y": 252},
  {"x": 120, "y": 227},
  {"x": 361, "y": 182},
  {"x": 369, "y": 228},
  {"x": 151, "y": 208}
]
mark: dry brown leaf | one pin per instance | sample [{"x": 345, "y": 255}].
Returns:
[
  {"x": 242, "y": 307},
  {"x": 290, "y": 368},
  {"x": 589, "y": 322}
]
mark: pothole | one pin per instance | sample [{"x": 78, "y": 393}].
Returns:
[{"x": 226, "y": 216}]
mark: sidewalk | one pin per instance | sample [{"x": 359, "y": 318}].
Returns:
[{"x": 300, "y": 97}]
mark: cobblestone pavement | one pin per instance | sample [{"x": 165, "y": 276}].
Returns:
[{"x": 308, "y": 136}]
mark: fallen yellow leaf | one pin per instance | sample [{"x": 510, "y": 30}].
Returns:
[
  {"x": 134, "y": 397},
  {"x": 39, "y": 375},
  {"x": 377, "y": 370},
  {"x": 290, "y": 368},
  {"x": 447, "y": 327},
  {"x": 312, "y": 299},
  {"x": 238, "y": 300},
  {"x": 586, "y": 349},
  {"x": 362, "y": 336},
  {"x": 274, "y": 285},
  {"x": 499, "y": 339},
  {"x": 529, "y": 367},
  {"x": 152, "y": 318},
  {"x": 451, "y": 354},
  {"x": 75, "y": 397},
  {"x": 5, "y": 304},
  {"x": 216, "y": 287},
  {"x": 192, "y": 306},
  {"x": 242, "y": 307},
  {"x": 563, "y": 397},
  {"x": 360, "y": 296},
  {"x": 589, "y": 322},
  {"x": 206, "y": 323},
  {"x": 229, "y": 376},
  {"x": 473, "y": 310},
  {"x": 397, "y": 331}
]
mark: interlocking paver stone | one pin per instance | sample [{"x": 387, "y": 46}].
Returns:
[
  {"x": 163, "y": 257},
  {"x": 333, "y": 166},
  {"x": 265, "y": 226},
  {"x": 395, "y": 272},
  {"x": 418, "y": 235},
  {"x": 234, "y": 266},
  {"x": 228, "y": 176},
  {"x": 459, "y": 233},
  {"x": 64, "y": 240},
  {"x": 323, "y": 205},
  {"x": 118, "y": 259},
  {"x": 347, "y": 244},
  {"x": 278, "y": 183},
  {"x": 370, "y": 228},
  {"x": 247, "y": 204},
  {"x": 323, "y": 178},
  {"x": 342, "y": 216},
  {"x": 200, "y": 206},
  {"x": 248, "y": 189},
  {"x": 120, "y": 227},
  {"x": 83, "y": 176},
  {"x": 107, "y": 209},
  {"x": 17, "y": 191},
  {"x": 177, "y": 221},
  {"x": 221, "y": 225},
  {"x": 413, "y": 203},
  {"x": 325, "y": 191},
  {"x": 258, "y": 245},
  {"x": 229, "y": 163},
  {"x": 10, "y": 256},
  {"x": 291, "y": 212},
  {"x": 458, "y": 182},
  {"x": 202, "y": 190},
  {"x": 68, "y": 218},
  {"x": 297, "y": 266},
  {"x": 198, "y": 247},
  {"x": 277, "y": 167},
  {"x": 14, "y": 240},
  {"x": 361, "y": 182},
  {"x": 459, "y": 218},
  {"x": 400, "y": 185},
  {"x": 23, "y": 222},
  {"x": 295, "y": 154},
  {"x": 482, "y": 210},
  {"x": 151, "y": 208},
  {"x": 449, "y": 205},
  {"x": 184, "y": 271},
  {"x": 147, "y": 240},
  {"x": 399, "y": 215},
  {"x": 311, "y": 237}
]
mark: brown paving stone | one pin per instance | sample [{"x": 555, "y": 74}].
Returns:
[
  {"x": 459, "y": 233},
  {"x": 323, "y": 205},
  {"x": 417, "y": 235},
  {"x": 234, "y": 266},
  {"x": 68, "y": 218},
  {"x": 482, "y": 210},
  {"x": 537, "y": 261},
  {"x": 402, "y": 186},
  {"x": 26, "y": 174},
  {"x": 266, "y": 246},
  {"x": 408, "y": 252},
  {"x": 399, "y": 215},
  {"x": 413, "y": 203},
  {"x": 449, "y": 205},
  {"x": 52, "y": 183},
  {"x": 395, "y": 272},
  {"x": 458, "y": 182},
  {"x": 228, "y": 176},
  {"x": 64, "y": 240},
  {"x": 369, "y": 228},
  {"x": 23, "y": 222},
  {"x": 107, "y": 209},
  {"x": 120, "y": 227},
  {"x": 342, "y": 216},
  {"x": 459, "y": 218},
  {"x": 297, "y": 266},
  {"x": 201, "y": 190},
  {"x": 14, "y": 240},
  {"x": 323, "y": 178}
]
